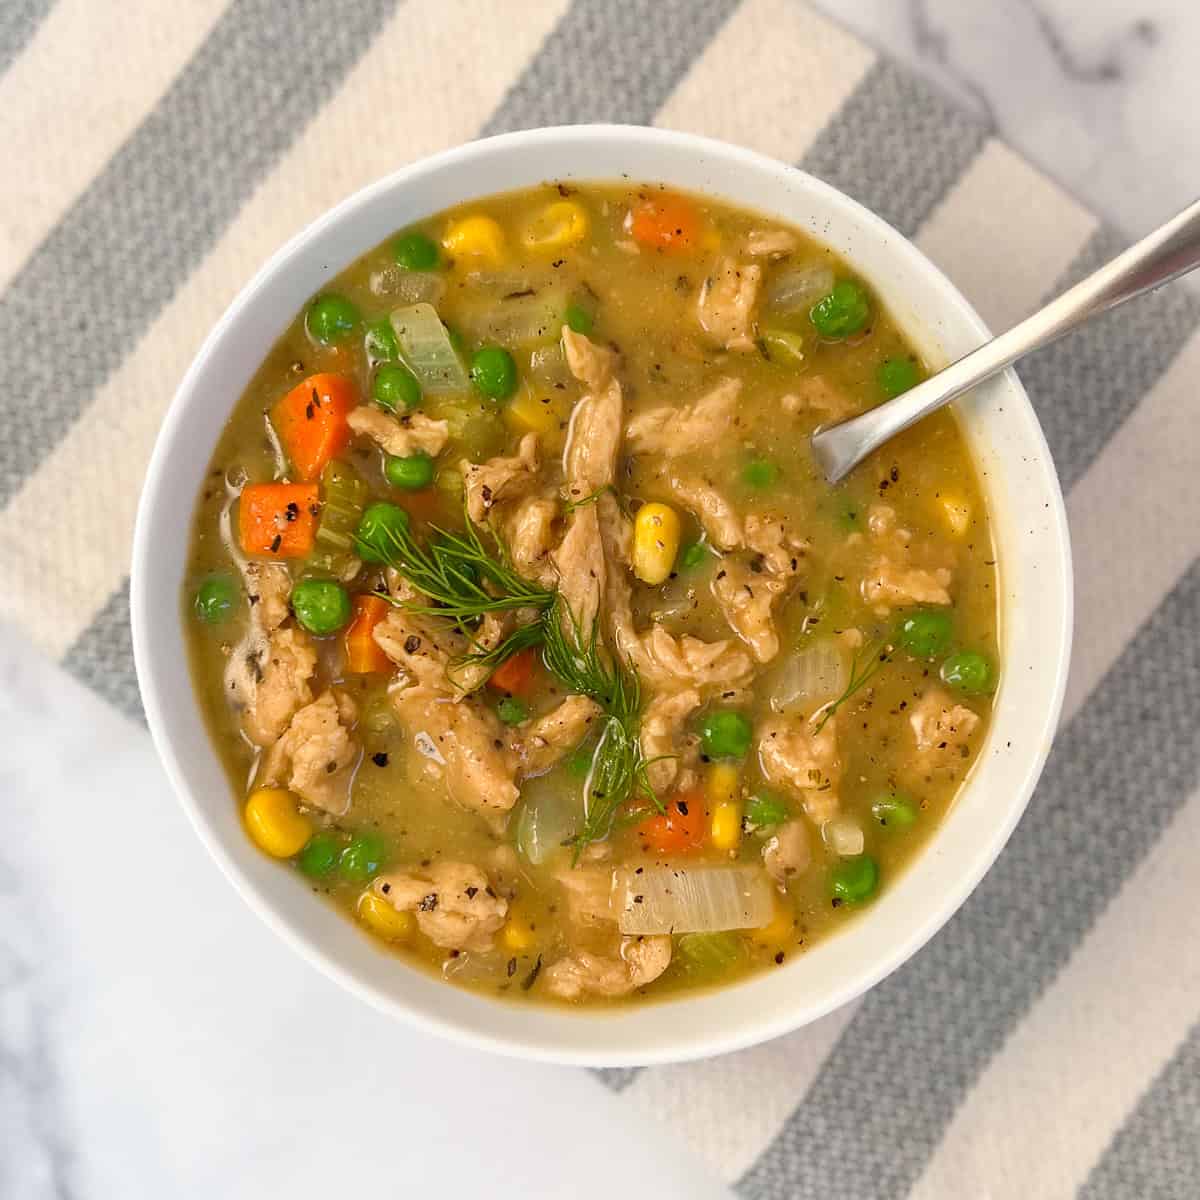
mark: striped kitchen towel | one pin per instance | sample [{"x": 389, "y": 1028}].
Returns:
[{"x": 1046, "y": 1043}]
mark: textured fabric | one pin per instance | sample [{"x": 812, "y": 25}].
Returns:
[{"x": 1044, "y": 1044}]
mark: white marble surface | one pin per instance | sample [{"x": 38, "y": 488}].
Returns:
[{"x": 155, "y": 1039}]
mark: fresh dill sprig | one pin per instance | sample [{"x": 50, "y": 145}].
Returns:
[
  {"x": 581, "y": 662},
  {"x": 569, "y": 506},
  {"x": 521, "y": 638},
  {"x": 618, "y": 775},
  {"x": 867, "y": 662},
  {"x": 458, "y": 574}
]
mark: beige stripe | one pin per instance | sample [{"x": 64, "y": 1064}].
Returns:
[
  {"x": 770, "y": 80},
  {"x": 1051, "y": 1100},
  {"x": 728, "y": 1109},
  {"x": 431, "y": 100},
  {"x": 1004, "y": 233},
  {"x": 91, "y": 69},
  {"x": 1135, "y": 521}
]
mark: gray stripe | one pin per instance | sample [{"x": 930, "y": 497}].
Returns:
[
  {"x": 1121, "y": 769},
  {"x": 1086, "y": 385},
  {"x": 602, "y": 63},
  {"x": 617, "y": 1078},
  {"x": 102, "y": 658},
  {"x": 1156, "y": 1153},
  {"x": 19, "y": 21},
  {"x": 897, "y": 145},
  {"x": 104, "y": 273},
  {"x": 611, "y": 62}
]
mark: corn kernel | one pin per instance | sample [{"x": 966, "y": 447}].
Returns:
[
  {"x": 382, "y": 919},
  {"x": 475, "y": 237},
  {"x": 518, "y": 933},
  {"x": 528, "y": 413},
  {"x": 275, "y": 823},
  {"x": 655, "y": 542},
  {"x": 956, "y": 512},
  {"x": 725, "y": 832},
  {"x": 556, "y": 227},
  {"x": 721, "y": 783},
  {"x": 780, "y": 929}
]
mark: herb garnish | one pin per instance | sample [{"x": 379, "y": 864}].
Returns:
[{"x": 862, "y": 670}]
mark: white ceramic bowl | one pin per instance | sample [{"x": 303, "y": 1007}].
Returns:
[{"x": 1028, "y": 519}]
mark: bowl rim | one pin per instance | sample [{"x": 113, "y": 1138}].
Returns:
[{"x": 687, "y": 1045}]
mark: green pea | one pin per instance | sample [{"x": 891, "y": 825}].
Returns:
[
  {"x": 580, "y": 763},
  {"x": 494, "y": 373},
  {"x": 855, "y": 879},
  {"x": 844, "y": 312},
  {"x": 362, "y": 858},
  {"x": 579, "y": 319},
  {"x": 763, "y": 810},
  {"x": 380, "y": 342},
  {"x": 894, "y": 810},
  {"x": 319, "y": 855},
  {"x": 512, "y": 711},
  {"x": 968, "y": 672},
  {"x": 382, "y": 523},
  {"x": 215, "y": 599},
  {"x": 331, "y": 319},
  {"x": 415, "y": 252},
  {"x": 760, "y": 473},
  {"x": 411, "y": 474},
  {"x": 725, "y": 734},
  {"x": 896, "y": 375},
  {"x": 927, "y": 633},
  {"x": 692, "y": 555},
  {"x": 321, "y": 606},
  {"x": 395, "y": 387}
]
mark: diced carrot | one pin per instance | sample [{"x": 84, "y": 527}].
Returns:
[
  {"x": 666, "y": 222},
  {"x": 311, "y": 422},
  {"x": 515, "y": 675},
  {"x": 425, "y": 505},
  {"x": 278, "y": 519},
  {"x": 680, "y": 829},
  {"x": 364, "y": 656}
]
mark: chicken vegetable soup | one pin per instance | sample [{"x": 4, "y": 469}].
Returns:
[{"x": 528, "y": 630}]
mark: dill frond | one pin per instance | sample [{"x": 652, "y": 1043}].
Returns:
[{"x": 867, "y": 662}]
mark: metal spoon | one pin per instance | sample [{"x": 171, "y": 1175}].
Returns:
[{"x": 1170, "y": 251}]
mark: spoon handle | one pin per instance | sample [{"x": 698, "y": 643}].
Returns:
[{"x": 1170, "y": 251}]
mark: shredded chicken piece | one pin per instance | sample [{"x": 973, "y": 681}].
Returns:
[
  {"x": 540, "y": 743},
  {"x": 793, "y": 756},
  {"x": 641, "y": 961},
  {"x": 412, "y": 433},
  {"x": 422, "y": 648},
  {"x": 454, "y": 902},
  {"x": 268, "y": 589},
  {"x": 594, "y": 366},
  {"x": 814, "y": 393},
  {"x": 747, "y": 600},
  {"x": 589, "y": 894},
  {"x": 579, "y": 561},
  {"x": 673, "y": 429},
  {"x": 664, "y": 744},
  {"x": 272, "y": 678},
  {"x": 711, "y": 509},
  {"x": 726, "y": 304},
  {"x": 769, "y": 243},
  {"x": 462, "y": 745},
  {"x": 529, "y": 535},
  {"x": 782, "y": 551},
  {"x": 942, "y": 731},
  {"x": 889, "y": 585},
  {"x": 788, "y": 853},
  {"x": 593, "y": 435},
  {"x": 488, "y": 483},
  {"x": 316, "y": 757}
]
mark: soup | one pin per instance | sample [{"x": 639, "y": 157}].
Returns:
[{"x": 530, "y": 634}]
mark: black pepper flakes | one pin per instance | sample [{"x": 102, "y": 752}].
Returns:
[{"x": 380, "y": 759}]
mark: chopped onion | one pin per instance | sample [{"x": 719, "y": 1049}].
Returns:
[
  {"x": 408, "y": 287},
  {"x": 799, "y": 288},
  {"x": 809, "y": 678},
  {"x": 518, "y": 320},
  {"x": 427, "y": 350},
  {"x": 550, "y": 816},
  {"x": 693, "y": 899},
  {"x": 844, "y": 836}
]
